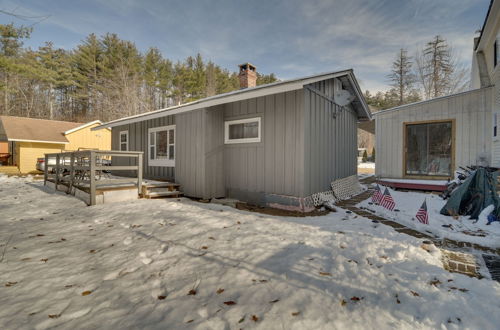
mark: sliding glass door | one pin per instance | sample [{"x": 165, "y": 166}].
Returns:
[{"x": 429, "y": 149}]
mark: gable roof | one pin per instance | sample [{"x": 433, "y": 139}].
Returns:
[
  {"x": 36, "y": 130},
  {"x": 347, "y": 78},
  {"x": 90, "y": 123}
]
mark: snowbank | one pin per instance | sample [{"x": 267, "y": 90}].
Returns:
[{"x": 180, "y": 264}]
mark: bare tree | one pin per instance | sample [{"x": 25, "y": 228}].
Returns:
[{"x": 438, "y": 69}]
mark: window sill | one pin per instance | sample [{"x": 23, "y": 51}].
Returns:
[
  {"x": 252, "y": 140},
  {"x": 161, "y": 163}
]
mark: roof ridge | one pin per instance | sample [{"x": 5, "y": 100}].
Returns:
[{"x": 30, "y": 118}]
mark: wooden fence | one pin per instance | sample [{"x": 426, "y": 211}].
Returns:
[{"x": 88, "y": 170}]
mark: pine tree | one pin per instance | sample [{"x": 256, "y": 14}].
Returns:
[{"x": 402, "y": 77}]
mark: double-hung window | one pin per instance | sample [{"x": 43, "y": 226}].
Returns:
[
  {"x": 242, "y": 131},
  {"x": 124, "y": 141},
  {"x": 161, "y": 142}
]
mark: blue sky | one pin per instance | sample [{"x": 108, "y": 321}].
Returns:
[{"x": 291, "y": 38}]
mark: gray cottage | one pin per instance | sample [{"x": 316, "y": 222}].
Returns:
[{"x": 273, "y": 144}]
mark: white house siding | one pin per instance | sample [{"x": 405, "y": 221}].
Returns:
[
  {"x": 473, "y": 126},
  {"x": 495, "y": 152}
]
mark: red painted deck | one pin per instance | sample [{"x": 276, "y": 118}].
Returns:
[{"x": 404, "y": 184}]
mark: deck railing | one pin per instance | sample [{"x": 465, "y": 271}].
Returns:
[{"x": 87, "y": 170}]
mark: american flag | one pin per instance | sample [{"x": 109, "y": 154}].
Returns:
[
  {"x": 387, "y": 201},
  {"x": 377, "y": 194},
  {"x": 422, "y": 214}
]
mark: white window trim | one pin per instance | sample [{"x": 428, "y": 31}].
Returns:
[
  {"x": 120, "y": 139},
  {"x": 227, "y": 140},
  {"x": 161, "y": 162}
]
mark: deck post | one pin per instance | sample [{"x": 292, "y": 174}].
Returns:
[
  {"x": 92, "y": 178},
  {"x": 139, "y": 174},
  {"x": 56, "y": 180},
  {"x": 46, "y": 170},
  {"x": 72, "y": 172}
]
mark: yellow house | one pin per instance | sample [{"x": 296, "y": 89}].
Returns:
[{"x": 29, "y": 139}]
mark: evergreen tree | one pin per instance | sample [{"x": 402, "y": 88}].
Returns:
[
  {"x": 102, "y": 78},
  {"x": 402, "y": 77}
]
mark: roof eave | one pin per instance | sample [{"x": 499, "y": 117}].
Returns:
[
  {"x": 82, "y": 126},
  {"x": 263, "y": 90},
  {"x": 361, "y": 98},
  {"x": 36, "y": 141}
]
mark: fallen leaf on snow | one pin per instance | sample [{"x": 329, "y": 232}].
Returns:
[
  {"x": 435, "y": 282},
  {"x": 242, "y": 320},
  {"x": 86, "y": 293},
  {"x": 91, "y": 251},
  {"x": 44, "y": 260},
  {"x": 204, "y": 247},
  {"x": 295, "y": 313},
  {"x": 356, "y": 298},
  {"x": 343, "y": 302},
  {"x": 54, "y": 316},
  {"x": 10, "y": 284},
  {"x": 325, "y": 274},
  {"x": 162, "y": 297},
  {"x": 219, "y": 291},
  {"x": 274, "y": 301},
  {"x": 255, "y": 318},
  {"x": 229, "y": 303},
  {"x": 189, "y": 321},
  {"x": 414, "y": 293},
  {"x": 192, "y": 292}
]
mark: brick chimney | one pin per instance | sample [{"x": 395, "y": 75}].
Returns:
[{"x": 247, "y": 75}]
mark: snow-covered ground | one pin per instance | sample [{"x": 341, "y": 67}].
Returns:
[
  {"x": 461, "y": 228},
  {"x": 366, "y": 165},
  {"x": 168, "y": 264}
]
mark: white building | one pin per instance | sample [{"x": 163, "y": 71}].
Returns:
[{"x": 430, "y": 139}]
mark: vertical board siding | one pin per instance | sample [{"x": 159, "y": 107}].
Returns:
[
  {"x": 214, "y": 153},
  {"x": 138, "y": 141},
  {"x": 190, "y": 157},
  {"x": 495, "y": 99},
  {"x": 472, "y": 112},
  {"x": 330, "y": 142},
  {"x": 276, "y": 164}
]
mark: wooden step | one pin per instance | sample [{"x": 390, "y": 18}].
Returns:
[
  {"x": 160, "y": 185},
  {"x": 155, "y": 194}
]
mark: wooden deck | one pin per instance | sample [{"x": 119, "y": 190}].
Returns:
[{"x": 406, "y": 184}]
